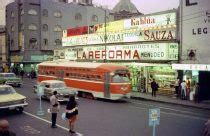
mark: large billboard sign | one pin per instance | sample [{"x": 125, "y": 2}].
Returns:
[
  {"x": 144, "y": 28},
  {"x": 144, "y": 52},
  {"x": 129, "y": 35},
  {"x": 195, "y": 30},
  {"x": 167, "y": 19}
]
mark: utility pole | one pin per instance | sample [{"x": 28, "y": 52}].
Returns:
[{"x": 105, "y": 38}]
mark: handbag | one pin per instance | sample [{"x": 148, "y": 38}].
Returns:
[{"x": 72, "y": 113}]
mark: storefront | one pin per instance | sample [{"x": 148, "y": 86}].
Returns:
[
  {"x": 133, "y": 56},
  {"x": 146, "y": 45},
  {"x": 196, "y": 73}
]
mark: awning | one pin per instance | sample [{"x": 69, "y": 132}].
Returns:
[{"x": 198, "y": 67}]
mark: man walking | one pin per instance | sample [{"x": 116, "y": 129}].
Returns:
[{"x": 54, "y": 108}]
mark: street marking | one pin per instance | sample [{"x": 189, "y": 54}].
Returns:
[
  {"x": 30, "y": 130},
  {"x": 64, "y": 128}
]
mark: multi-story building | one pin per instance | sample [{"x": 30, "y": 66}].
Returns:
[
  {"x": 34, "y": 27},
  {"x": 3, "y": 50}
]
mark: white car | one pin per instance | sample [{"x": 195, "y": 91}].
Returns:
[{"x": 49, "y": 86}]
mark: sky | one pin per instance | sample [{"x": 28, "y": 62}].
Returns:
[{"x": 144, "y": 6}]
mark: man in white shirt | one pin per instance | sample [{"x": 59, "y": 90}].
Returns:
[{"x": 183, "y": 90}]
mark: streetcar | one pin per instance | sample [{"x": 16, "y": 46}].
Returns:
[{"x": 96, "y": 80}]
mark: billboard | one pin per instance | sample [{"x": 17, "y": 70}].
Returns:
[
  {"x": 129, "y": 35},
  {"x": 167, "y": 19},
  {"x": 146, "y": 52},
  {"x": 160, "y": 27},
  {"x": 195, "y": 31}
]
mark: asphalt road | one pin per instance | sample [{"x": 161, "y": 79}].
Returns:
[{"x": 107, "y": 118}]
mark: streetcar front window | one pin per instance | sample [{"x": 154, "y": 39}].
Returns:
[{"x": 120, "y": 78}]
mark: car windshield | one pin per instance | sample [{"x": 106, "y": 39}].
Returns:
[
  {"x": 6, "y": 90},
  {"x": 58, "y": 85},
  {"x": 9, "y": 75}
]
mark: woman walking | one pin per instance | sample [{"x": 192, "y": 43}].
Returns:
[{"x": 71, "y": 112}]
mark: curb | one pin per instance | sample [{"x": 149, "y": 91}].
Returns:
[{"x": 181, "y": 104}]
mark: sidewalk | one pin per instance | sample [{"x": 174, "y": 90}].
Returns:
[{"x": 171, "y": 100}]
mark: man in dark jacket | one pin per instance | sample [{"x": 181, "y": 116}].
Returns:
[
  {"x": 4, "y": 128},
  {"x": 154, "y": 87}
]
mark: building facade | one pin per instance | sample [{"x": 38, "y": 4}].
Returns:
[
  {"x": 194, "y": 40},
  {"x": 34, "y": 27},
  {"x": 3, "y": 50}
]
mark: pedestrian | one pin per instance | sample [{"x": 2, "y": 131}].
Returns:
[
  {"x": 22, "y": 73},
  {"x": 177, "y": 87},
  {"x": 33, "y": 74},
  {"x": 188, "y": 83},
  {"x": 154, "y": 87},
  {"x": 183, "y": 90},
  {"x": 71, "y": 112},
  {"x": 4, "y": 128},
  {"x": 197, "y": 93},
  {"x": 54, "y": 108}
]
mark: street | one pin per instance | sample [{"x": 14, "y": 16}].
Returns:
[{"x": 127, "y": 117}]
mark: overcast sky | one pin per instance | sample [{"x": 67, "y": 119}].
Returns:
[{"x": 144, "y": 6}]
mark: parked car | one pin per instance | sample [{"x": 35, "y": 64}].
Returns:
[
  {"x": 10, "y": 79},
  {"x": 10, "y": 99},
  {"x": 49, "y": 86}
]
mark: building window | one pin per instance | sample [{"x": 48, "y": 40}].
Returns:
[
  {"x": 12, "y": 28},
  {"x": 45, "y": 27},
  {"x": 32, "y": 12},
  {"x": 94, "y": 18},
  {"x": 21, "y": 12},
  {"x": 58, "y": 42},
  {"x": 57, "y": 28},
  {"x": 33, "y": 42},
  {"x": 22, "y": 27},
  {"x": 45, "y": 13},
  {"x": 32, "y": 27},
  {"x": 45, "y": 41},
  {"x": 12, "y": 14},
  {"x": 78, "y": 16},
  {"x": 57, "y": 14}
]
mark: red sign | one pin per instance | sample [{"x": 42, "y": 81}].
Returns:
[{"x": 77, "y": 31}]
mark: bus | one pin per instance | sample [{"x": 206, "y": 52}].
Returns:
[{"x": 98, "y": 80}]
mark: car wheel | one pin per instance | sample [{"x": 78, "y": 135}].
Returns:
[{"x": 20, "y": 109}]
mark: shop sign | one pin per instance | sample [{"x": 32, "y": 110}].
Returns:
[
  {"x": 41, "y": 57},
  {"x": 37, "y": 57},
  {"x": 132, "y": 35},
  {"x": 197, "y": 67},
  {"x": 59, "y": 54},
  {"x": 167, "y": 19},
  {"x": 16, "y": 58},
  {"x": 157, "y": 51}
]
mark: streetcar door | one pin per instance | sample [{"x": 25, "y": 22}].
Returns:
[{"x": 106, "y": 85}]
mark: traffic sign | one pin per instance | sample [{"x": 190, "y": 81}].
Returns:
[{"x": 154, "y": 117}]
